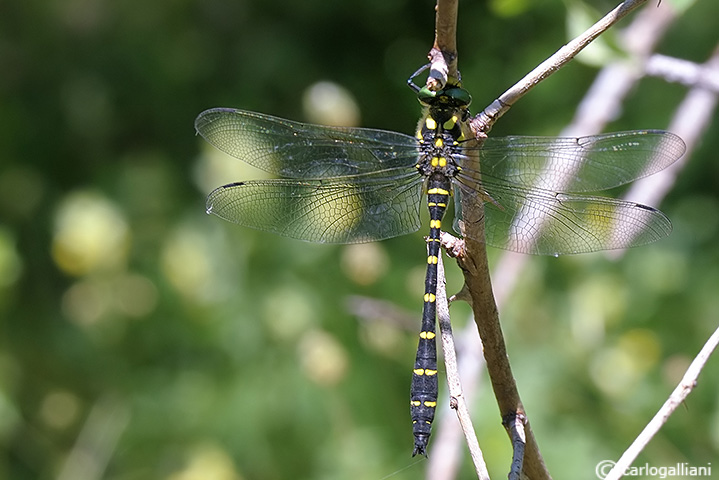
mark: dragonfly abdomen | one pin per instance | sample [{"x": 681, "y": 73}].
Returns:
[{"x": 424, "y": 389}]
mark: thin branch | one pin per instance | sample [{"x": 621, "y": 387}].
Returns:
[
  {"x": 448, "y": 446},
  {"x": 476, "y": 276},
  {"x": 515, "y": 425},
  {"x": 483, "y": 122},
  {"x": 445, "y": 39},
  {"x": 443, "y": 56},
  {"x": 680, "y": 393},
  {"x": 684, "y": 72},
  {"x": 603, "y": 101},
  {"x": 97, "y": 440},
  {"x": 457, "y": 398}
]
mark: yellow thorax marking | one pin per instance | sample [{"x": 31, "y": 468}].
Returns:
[
  {"x": 437, "y": 191},
  {"x": 430, "y": 123},
  {"x": 434, "y": 161},
  {"x": 439, "y": 143},
  {"x": 449, "y": 124}
]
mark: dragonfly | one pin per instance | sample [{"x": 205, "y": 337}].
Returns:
[{"x": 351, "y": 185}]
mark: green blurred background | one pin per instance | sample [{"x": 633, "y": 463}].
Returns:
[{"x": 143, "y": 339}]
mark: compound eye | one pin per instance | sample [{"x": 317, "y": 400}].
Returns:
[
  {"x": 459, "y": 96},
  {"x": 426, "y": 96}
]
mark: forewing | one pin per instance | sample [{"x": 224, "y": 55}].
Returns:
[
  {"x": 583, "y": 164},
  {"x": 299, "y": 150},
  {"x": 324, "y": 211}
]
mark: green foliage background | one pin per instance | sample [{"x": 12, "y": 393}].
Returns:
[{"x": 143, "y": 339}]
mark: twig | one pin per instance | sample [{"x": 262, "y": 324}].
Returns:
[
  {"x": 482, "y": 123},
  {"x": 603, "y": 101},
  {"x": 680, "y": 393},
  {"x": 97, "y": 440},
  {"x": 448, "y": 447},
  {"x": 515, "y": 426},
  {"x": 457, "y": 399},
  {"x": 684, "y": 72},
  {"x": 476, "y": 275},
  {"x": 475, "y": 267},
  {"x": 443, "y": 56}
]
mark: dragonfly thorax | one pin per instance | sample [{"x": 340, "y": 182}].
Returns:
[{"x": 439, "y": 143}]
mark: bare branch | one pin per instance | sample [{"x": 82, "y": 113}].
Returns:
[
  {"x": 448, "y": 446},
  {"x": 483, "y": 122},
  {"x": 476, "y": 276},
  {"x": 97, "y": 441},
  {"x": 443, "y": 56},
  {"x": 515, "y": 426},
  {"x": 457, "y": 399},
  {"x": 603, "y": 101},
  {"x": 677, "y": 70},
  {"x": 680, "y": 393}
]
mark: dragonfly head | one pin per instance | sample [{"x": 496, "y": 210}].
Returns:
[
  {"x": 451, "y": 96},
  {"x": 451, "y": 102}
]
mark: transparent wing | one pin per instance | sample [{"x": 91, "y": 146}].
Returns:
[
  {"x": 584, "y": 164},
  {"x": 326, "y": 211},
  {"x": 543, "y": 222},
  {"x": 299, "y": 150},
  {"x": 521, "y": 178}
]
